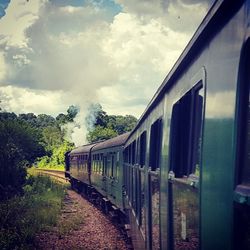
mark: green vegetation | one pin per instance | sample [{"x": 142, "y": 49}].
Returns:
[
  {"x": 27, "y": 138},
  {"x": 31, "y": 204},
  {"x": 40, "y": 140},
  {"x": 21, "y": 217},
  {"x": 56, "y": 160},
  {"x": 19, "y": 145}
]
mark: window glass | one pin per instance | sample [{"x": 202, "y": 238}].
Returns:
[
  {"x": 129, "y": 154},
  {"x": 245, "y": 174},
  {"x": 185, "y": 151},
  {"x": 155, "y": 144},
  {"x": 112, "y": 164},
  {"x": 143, "y": 141},
  {"x": 117, "y": 165},
  {"x": 185, "y": 134},
  {"x": 133, "y": 152}
]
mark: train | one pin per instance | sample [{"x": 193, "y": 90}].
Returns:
[{"x": 182, "y": 175}]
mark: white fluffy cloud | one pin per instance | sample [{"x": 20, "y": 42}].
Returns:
[
  {"x": 22, "y": 100},
  {"x": 20, "y": 14}
]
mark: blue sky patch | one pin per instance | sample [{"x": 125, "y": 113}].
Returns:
[
  {"x": 3, "y": 5},
  {"x": 108, "y": 5}
]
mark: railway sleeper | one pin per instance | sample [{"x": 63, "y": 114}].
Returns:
[
  {"x": 94, "y": 197},
  {"x": 106, "y": 205},
  {"x": 115, "y": 214},
  {"x": 90, "y": 190}
]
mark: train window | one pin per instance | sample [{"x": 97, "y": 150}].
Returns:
[
  {"x": 117, "y": 165},
  {"x": 143, "y": 141},
  {"x": 133, "y": 151},
  {"x": 126, "y": 155},
  {"x": 112, "y": 164},
  {"x": 184, "y": 160},
  {"x": 244, "y": 145},
  {"x": 242, "y": 191},
  {"x": 129, "y": 154},
  {"x": 185, "y": 134},
  {"x": 155, "y": 144}
]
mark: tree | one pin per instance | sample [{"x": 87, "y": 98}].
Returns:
[
  {"x": 122, "y": 124},
  {"x": 62, "y": 119},
  {"x": 7, "y": 116},
  {"x": 100, "y": 133},
  {"x": 44, "y": 120},
  {"x": 57, "y": 157},
  {"x": 52, "y": 137},
  {"x": 19, "y": 146},
  {"x": 72, "y": 112}
]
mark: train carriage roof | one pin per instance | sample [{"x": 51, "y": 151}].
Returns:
[
  {"x": 113, "y": 142},
  {"x": 82, "y": 149}
]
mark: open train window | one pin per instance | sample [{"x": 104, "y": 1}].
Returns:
[
  {"x": 185, "y": 133},
  {"x": 129, "y": 154},
  {"x": 133, "y": 152},
  {"x": 155, "y": 144},
  {"x": 143, "y": 141},
  {"x": 112, "y": 164},
  {"x": 244, "y": 123},
  {"x": 242, "y": 190}
]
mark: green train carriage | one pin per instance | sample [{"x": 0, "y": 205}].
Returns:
[{"x": 187, "y": 160}]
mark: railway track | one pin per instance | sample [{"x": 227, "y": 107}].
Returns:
[
  {"x": 56, "y": 174},
  {"x": 88, "y": 233}
]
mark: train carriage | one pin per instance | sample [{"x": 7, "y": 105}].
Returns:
[
  {"x": 107, "y": 169},
  {"x": 80, "y": 166},
  {"x": 187, "y": 159}
]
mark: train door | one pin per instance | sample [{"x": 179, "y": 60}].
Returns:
[
  {"x": 242, "y": 189},
  {"x": 184, "y": 170}
]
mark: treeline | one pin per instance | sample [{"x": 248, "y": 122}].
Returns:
[{"x": 26, "y": 139}]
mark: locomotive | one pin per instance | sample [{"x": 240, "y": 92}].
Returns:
[{"x": 182, "y": 176}]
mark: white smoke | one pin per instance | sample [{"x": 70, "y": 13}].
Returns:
[{"x": 84, "y": 121}]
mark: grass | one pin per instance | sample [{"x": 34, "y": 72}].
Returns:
[{"x": 22, "y": 217}]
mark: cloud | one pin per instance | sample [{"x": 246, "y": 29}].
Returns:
[
  {"x": 22, "y": 100},
  {"x": 20, "y": 14},
  {"x": 91, "y": 51},
  {"x": 3, "y": 67},
  {"x": 174, "y": 14},
  {"x": 58, "y": 59}
]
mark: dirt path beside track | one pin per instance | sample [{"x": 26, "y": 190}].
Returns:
[{"x": 81, "y": 226}]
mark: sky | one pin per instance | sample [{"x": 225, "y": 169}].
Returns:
[{"x": 57, "y": 53}]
